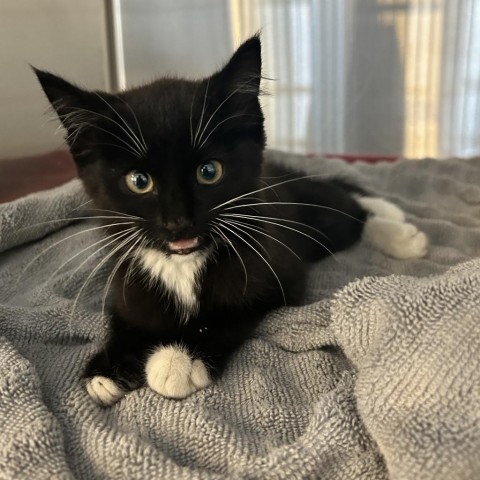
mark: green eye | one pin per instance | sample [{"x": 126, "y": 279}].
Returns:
[
  {"x": 139, "y": 182},
  {"x": 210, "y": 172}
]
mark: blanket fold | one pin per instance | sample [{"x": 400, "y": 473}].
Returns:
[{"x": 377, "y": 376}]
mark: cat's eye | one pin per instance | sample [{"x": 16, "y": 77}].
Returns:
[
  {"x": 209, "y": 172},
  {"x": 139, "y": 182}
]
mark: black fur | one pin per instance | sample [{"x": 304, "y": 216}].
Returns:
[{"x": 143, "y": 315}]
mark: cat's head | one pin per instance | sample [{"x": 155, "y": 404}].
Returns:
[{"x": 168, "y": 152}]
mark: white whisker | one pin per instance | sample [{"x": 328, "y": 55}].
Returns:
[
  {"x": 217, "y": 229},
  {"x": 135, "y": 137},
  {"x": 64, "y": 240},
  {"x": 266, "y": 188},
  {"x": 115, "y": 269},
  {"x": 250, "y": 227},
  {"x": 301, "y": 233},
  {"x": 136, "y": 121},
  {"x": 218, "y": 108},
  {"x": 199, "y": 125},
  {"x": 101, "y": 263},
  {"x": 278, "y": 219},
  {"x": 262, "y": 257},
  {"x": 121, "y": 235},
  {"x": 233, "y": 225},
  {"x": 223, "y": 121},
  {"x": 109, "y": 237},
  {"x": 129, "y": 272},
  {"x": 324, "y": 207}
]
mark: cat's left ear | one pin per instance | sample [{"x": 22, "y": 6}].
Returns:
[
  {"x": 63, "y": 95},
  {"x": 244, "y": 69}
]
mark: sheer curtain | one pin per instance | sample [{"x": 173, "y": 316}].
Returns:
[{"x": 383, "y": 77}]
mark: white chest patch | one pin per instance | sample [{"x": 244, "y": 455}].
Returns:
[{"x": 178, "y": 273}]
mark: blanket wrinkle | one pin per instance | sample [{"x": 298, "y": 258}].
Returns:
[{"x": 376, "y": 375}]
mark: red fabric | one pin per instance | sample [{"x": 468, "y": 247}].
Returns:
[
  {"x": 21, "y": 176},
  {"x": 352, "y": 157}
]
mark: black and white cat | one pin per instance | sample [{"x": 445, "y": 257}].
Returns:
[{"x": 208, "y": 238}]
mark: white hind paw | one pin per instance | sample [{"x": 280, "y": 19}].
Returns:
[
  {"x": 171, "y": 372},
  {"x": 104, "y": 390},
  {"x": 397, "y": 239}
]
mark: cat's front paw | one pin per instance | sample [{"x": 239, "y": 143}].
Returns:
[
  {"x": 104, "y": 390},
  {"x": 173, "y": 373}
]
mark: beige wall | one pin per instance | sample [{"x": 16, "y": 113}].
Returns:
[
  {"x": 64, "y": 36},
  {"x": 69, "y": 38}
]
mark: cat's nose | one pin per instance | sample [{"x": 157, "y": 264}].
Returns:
[{"x": 178, "y": 223}]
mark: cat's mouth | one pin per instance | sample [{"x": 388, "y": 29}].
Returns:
[{"x": 184, "y": 246}]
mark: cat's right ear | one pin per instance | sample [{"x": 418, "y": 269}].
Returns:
[{"x": 65, "y": 97}]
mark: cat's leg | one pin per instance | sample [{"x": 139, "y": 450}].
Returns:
[
  {"x": 174, "y": 372},
  {"x": 119, "y": 367},
  {"x": 387, "y": 230},
  {"x": 178, "y": 369}
]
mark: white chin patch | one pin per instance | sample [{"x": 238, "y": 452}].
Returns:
[
  {"x": 104, "y": 390},
  {"x": 388, "y": 231},
  {"x": 171, "y": 372}
]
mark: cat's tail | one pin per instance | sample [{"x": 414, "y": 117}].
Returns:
[{"x": 387, "y": 229}]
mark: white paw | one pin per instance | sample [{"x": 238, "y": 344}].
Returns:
[
  {"x": 171, "y": 372},
  {"x": 397, "y": 239},
  {"x": 104, "y": 390},
  {"x": 382, "y": 208}
]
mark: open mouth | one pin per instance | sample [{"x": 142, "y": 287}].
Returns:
[{"x": 184, "y": 246}]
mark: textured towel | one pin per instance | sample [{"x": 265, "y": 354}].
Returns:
[{"x": 377, "y": 376}]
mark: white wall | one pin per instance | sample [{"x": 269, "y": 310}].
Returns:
[
  {"x": 66, "y": 37},
  {"x": 174, "y": 37}
]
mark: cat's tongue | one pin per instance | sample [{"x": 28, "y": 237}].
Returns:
[{"x": 181, "y": 245}]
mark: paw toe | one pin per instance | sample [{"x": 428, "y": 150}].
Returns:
[
  {"x": 171, "y": 372},
  {"x": 199, "y": 376},
  {"x": 104, "y": 390}
]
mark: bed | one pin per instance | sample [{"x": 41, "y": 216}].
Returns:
[{"x": 377, "y": 376}]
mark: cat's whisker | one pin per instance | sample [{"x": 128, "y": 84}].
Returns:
[
  {"x": 191, "y": 113},
  {"x": 266, "y": 188},
  {"x": 223, "y": 121},
  {"x": 80, "y": 206},
  {"x": 109, "y": 237},
  {"x": 237, "y": 227},
  {"x": 199, "y": 125},
  {"x": 100, "y": 264},
  {"x": 324, "y": 207},
  {"x": 278, "y": 219},
  {"x": 262, "y": 232},
  {"x": 300, "y": 232},
  {"x": 136, "y": 121},
  {"x": 114, "y": 145},
  {"x": 214, "y": 241},
  {"x": 263, "y": 259},
  {"x": 132, "y": 134},
  {"x": 136, "y": 239},
  {"x": 273, "y": 189},
  {"x": 64, "y": 240},
  {"x": 79, "y": 126},
  {"x": 217, "y": 229},
  {"x": 126, "y": 215},
  {"x": 131, "y": 267},
  {"x": 73, "y": 219},
  {"x": 237, "y": 90}
]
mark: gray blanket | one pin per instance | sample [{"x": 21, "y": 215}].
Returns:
[{"x": 377, "y": 376}]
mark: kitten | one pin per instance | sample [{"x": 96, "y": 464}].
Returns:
[{"x": 209, "y": 238}]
